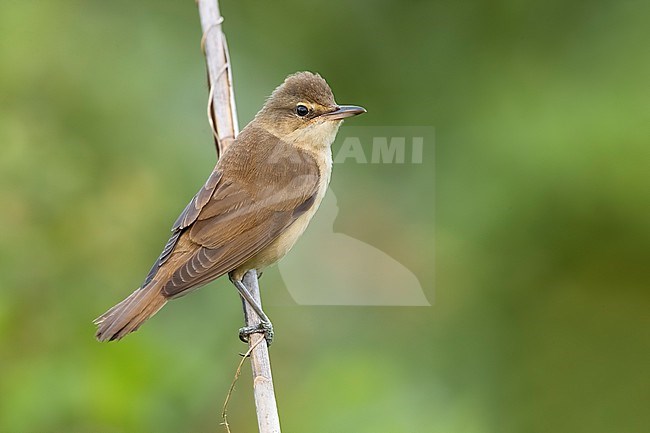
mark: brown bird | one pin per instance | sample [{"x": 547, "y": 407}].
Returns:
[{"x": 257, "y": 202}]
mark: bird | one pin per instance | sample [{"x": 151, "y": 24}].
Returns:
[{"x": 255, "y": 204}]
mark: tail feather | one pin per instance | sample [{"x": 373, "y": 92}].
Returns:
[{"x": 128, "y": 315}]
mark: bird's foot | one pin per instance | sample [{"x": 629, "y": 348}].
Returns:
[{"x": 265, "y": 328}]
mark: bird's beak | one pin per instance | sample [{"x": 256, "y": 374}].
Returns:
[{"x": 343, "y": 111}]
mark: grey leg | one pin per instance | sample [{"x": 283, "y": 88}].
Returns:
[{"x": 265, "y": 327}]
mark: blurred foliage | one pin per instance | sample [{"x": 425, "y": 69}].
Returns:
[{"x": 542, "y": 224}]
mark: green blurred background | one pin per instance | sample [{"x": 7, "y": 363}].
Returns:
[{"x": 540, "y": 282}]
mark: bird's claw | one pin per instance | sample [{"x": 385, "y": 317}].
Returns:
[{"x": 265, "y": 328}]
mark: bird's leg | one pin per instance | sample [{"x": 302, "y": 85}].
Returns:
[
  {"x": 243, "y": 291},
  {"x": 265, "y": 326}
]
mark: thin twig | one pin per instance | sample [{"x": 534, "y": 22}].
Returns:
[
  {"x": 213, "y": 44},
  {"x": 267, "y": 410},
  {"x": 222, "y": 115},
  {"x": 224, "y": 412}
]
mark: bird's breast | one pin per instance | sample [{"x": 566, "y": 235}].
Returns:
[{"x": 286, "y": 240}]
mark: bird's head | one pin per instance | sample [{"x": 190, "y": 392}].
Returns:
[{"x": 302, "y": 109}]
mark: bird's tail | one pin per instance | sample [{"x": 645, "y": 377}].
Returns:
[{"x": 128, "y": 315}]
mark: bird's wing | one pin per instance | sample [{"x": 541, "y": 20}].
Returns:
[{"x": 247, "y": 202}]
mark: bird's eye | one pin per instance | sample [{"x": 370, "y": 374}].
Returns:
[{"x": 301, "y": 110}]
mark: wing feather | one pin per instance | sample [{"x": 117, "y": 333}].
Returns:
[{"x": 246, "y": 203}]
